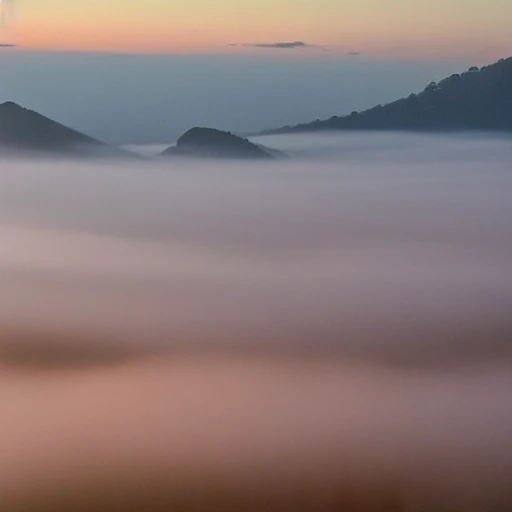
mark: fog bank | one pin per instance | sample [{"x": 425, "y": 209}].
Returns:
[{"x": 322, "y": 333}]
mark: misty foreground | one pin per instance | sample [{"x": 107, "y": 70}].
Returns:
[{"x": 331, "y": 333}]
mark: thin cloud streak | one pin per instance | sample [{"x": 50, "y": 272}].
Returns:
[{"x": 280, "y": 45}]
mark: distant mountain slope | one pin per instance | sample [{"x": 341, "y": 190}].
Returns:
[
  {"x": 25, "y": 132},
  {"x": 479, "y": 99},
  {"x": 211, "y": 143}
]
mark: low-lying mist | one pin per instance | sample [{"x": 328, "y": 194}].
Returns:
[{"x": 327, "y": 332}]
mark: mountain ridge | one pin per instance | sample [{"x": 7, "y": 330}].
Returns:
[
  {"x": 478, "y": 99},
  {"x": 202, "y": 142},
  {"x": 26, "y": 132}
]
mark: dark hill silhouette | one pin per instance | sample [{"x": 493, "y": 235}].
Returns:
[
  {"x": 25, "y": 132},
  {"x": 478, "y": 99},
  {"x": 211, "y": 143}
]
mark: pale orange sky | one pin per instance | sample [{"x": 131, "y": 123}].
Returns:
[{"x": 411, "y": 28}]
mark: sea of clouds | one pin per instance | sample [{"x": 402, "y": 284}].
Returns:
[{"x": 330, "y": 329}]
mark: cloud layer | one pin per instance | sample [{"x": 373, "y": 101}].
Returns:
[
  {"x": 282, "y": 45},
  {"x": 328, "y": 332}
]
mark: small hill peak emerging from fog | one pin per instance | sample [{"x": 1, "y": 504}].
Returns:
[
  {"x": 478, "y": 99},
  {"x": 212, "y": 143},
  {"x": 24, "y": 132}
]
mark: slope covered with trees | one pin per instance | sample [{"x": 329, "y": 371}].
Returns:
[
  {"x": 478, "y": 99},
  {"x": 212, "y": 143}
]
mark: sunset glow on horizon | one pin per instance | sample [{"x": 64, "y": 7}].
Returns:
[{"x": 394, "y": 28}]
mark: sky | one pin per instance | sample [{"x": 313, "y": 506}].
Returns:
[
  {"x": 412, "y": 28},
  {"x": 141, "y": 72}
]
